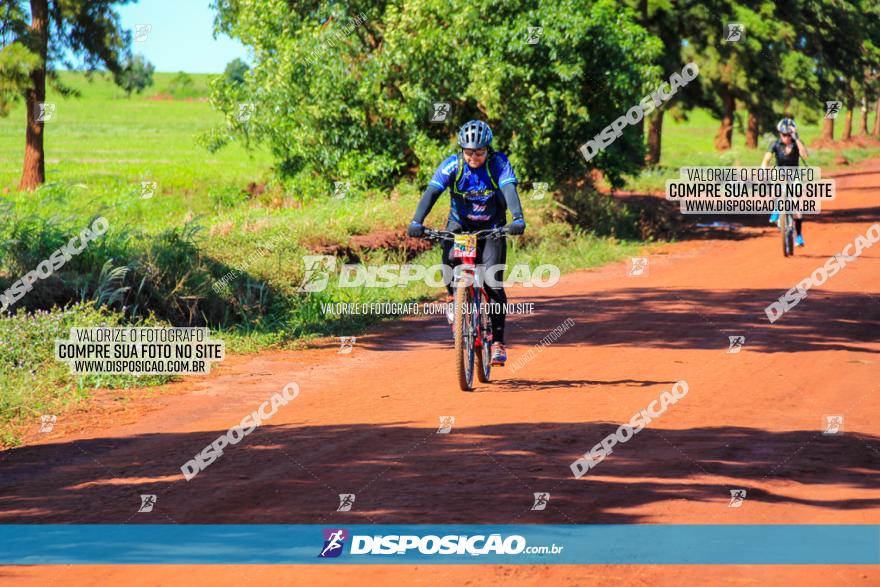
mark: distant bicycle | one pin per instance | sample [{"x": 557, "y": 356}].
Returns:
[
  {"x": 788, "y": 150},
  {"x": 786, "y": 228},
  {"x": 471, "y": 327}
]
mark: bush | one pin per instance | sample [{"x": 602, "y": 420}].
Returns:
[
  {"x": 182, "y": 86},
  {"x": 129, "y": 271}
]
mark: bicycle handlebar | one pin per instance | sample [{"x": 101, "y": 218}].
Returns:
[{"x": 500, "y": 232}]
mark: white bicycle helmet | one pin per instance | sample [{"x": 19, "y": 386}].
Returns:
[{"x": 786, "y": 126}]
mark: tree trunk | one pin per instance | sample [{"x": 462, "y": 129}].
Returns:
[
  {"x": 877, "y": 119},
  {"x": 33, "y": 172},
  {"x": 725, "y": 132},
  {"x": 655, "y": 134},
  {"x": 847, "y": 125},
  {"x": 752, "y": 131},
  {"x": 640, "y": 128},
  {"x": 828, "y": 129},
  {"x": 863, "y": 120}
]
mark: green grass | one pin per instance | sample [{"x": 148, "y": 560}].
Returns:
[{"x": 108, "y": 144}]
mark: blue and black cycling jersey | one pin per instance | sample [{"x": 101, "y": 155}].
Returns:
[{"x": 479, "y": 197}]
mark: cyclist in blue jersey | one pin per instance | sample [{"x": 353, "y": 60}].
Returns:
[{"x": 482, "y": 188}]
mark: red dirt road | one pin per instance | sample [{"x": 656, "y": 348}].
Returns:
[{"x": 366, "y": 422}]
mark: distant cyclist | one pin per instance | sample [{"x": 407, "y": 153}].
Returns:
[
  {"x": 788, "y": 149},
  {"x": 481, "y": 193}
]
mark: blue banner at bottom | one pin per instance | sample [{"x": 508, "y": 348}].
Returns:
[{"x": 36, "y": 544}]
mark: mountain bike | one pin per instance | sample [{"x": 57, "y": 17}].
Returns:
[
  {"x": 471, "y": 327},
  {"x": 786, "y": 225}
]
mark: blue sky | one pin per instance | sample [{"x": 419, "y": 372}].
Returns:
[{"x": 180, "y": 38}]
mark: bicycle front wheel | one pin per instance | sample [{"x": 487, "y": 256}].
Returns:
[
  {"x": 787, "y": 236},
  {"x": 464, "y": 336}
]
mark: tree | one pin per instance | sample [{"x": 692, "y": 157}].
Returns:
[
  {"x": 235, "y": 71},
  {"x": 848, "y": 121},
  {"x": 136, "y": 75},
  {"x": 838, "y": 39},
  {"x": 362, "y": 80},
  {"x": 747, "y": 70},
  {"x": 662, "y": 18},
  {"x": 40, "y": 37},
  {"x": 876, "y": 132}
]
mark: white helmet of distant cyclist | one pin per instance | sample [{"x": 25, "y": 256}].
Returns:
[{"x": 786, "y": 126}]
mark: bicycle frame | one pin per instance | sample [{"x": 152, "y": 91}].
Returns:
[
  {"x": 471, "y": 328},
  {"x": 786, "y": 227}
]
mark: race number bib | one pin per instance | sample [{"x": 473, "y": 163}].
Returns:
[{"x": 465, "y": 245}]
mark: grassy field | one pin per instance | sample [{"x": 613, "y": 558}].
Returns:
[
  {"x": 107, "y": 144},
  {"x": 211, "y": 213}
]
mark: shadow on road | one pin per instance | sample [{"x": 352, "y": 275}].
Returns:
[
  {"x": 672, "y": 318},
  {"x": 402, "y": 473}
]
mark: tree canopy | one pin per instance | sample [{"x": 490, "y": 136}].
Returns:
[{"x": 346, "y": 92}]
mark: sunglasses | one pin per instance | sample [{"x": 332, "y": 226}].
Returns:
[{"x": 475, "y": 153}]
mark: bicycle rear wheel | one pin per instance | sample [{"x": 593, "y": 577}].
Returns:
[
  {"x": 464, "y": 336},
  {"x": 484, "y": 355}
]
